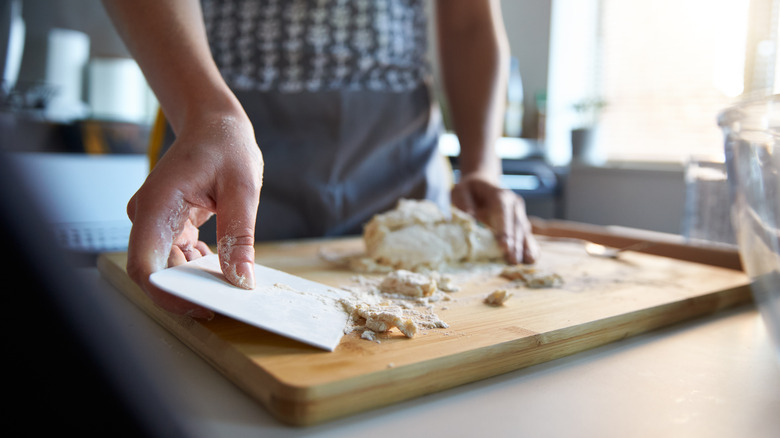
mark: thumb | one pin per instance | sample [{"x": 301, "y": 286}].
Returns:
[
  {"x": 236, "y": 215},
  {"x": 462, "y": 198}
]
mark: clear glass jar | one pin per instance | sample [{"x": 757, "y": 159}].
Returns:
[{"x": 752, "y": 149}]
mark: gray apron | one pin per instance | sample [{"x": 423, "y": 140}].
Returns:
[{"x": 333, "y": 159}]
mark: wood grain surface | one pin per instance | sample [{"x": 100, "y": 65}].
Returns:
[{"x": 600, "y": 301}]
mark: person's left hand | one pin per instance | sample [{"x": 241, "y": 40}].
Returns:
[{"x": 503, "y": 211}]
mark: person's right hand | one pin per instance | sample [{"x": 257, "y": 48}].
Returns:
[{"x": 213, "y": 167}]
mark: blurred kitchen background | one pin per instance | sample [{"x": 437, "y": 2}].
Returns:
[{"x": 612, "y": 109}]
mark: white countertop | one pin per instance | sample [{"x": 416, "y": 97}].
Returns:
[{"x": 716, "y": 376}]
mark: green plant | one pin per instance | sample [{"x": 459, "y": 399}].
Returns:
[{"x": 588, "y": 111}]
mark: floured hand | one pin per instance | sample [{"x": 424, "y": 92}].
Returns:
[
  {"x": 214, "y": 167},
  {"x": 503, "y": 211}
]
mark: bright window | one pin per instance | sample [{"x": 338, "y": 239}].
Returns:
[{"x": 665, "y": 68}]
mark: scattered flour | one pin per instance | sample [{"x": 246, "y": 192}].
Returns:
[
  {"x": 408, "y": 283},
  {"x": 422, "y": 254}
]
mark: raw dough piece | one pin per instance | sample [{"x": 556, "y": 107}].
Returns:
[
  {"x": 498, "y": 297},
  {"x": 380, "y": 319},
  {"x": 402, "y": 282},
  {"x": 532, "y": 277},
  {"x": 417, "y": 236}
]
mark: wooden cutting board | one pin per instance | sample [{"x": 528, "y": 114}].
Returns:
[{"x": 601, "y": 300}]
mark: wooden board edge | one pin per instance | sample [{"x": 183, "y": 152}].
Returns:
[
  {"x": 663, "y": 244},
  {"x": 412, "y": 381}
]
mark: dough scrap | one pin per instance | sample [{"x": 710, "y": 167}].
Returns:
[
  {"x": 368, "y": 335},
  {"x": 380, "y": 319},
  {"x": 498, "y": 297},
  {"x": 447, "y": 284},
  {"x": 532, "y": 277}
]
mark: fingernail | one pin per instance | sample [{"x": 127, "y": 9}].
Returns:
[{"x": 245, "y": 273}]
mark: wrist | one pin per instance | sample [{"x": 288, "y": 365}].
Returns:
[
  {"x": 197, "y": 97},
  {"x": 210, "y": 112},
  {"x": 487, "y": 169},
  {"x": 484, "y": 177}
]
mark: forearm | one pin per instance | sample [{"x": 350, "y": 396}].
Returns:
[
  {"x": 168, "y": 40},
  {"x": 474, "y": 57}
]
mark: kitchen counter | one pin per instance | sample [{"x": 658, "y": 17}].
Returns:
[{"x": 716, "y": 376}]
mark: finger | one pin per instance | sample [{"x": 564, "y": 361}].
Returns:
[
  {"x": 150, "y": 241},
  {"x": 187, "y": 240},
  {"x": 149, "y": 248},
  {"x": 531, "y": 249},
  {"x": 461, "y": 198},
  {"x": 236, "y": 215},
  {"x": 202, "y": 248},
  {"x": 527, "y": 248},
  {"x": 176, "y": 257},
  {"x": 509, "y": 226},
  {"x": 192, "y": 252},
  {"x": 526, "y": 240}
]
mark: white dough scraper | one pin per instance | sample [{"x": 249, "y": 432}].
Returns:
[{"x": 282, "y": 303}]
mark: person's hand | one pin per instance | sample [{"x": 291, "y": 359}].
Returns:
[
  {"x": 501, "y": 210},
  {"x": 212, "y": 167}
]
